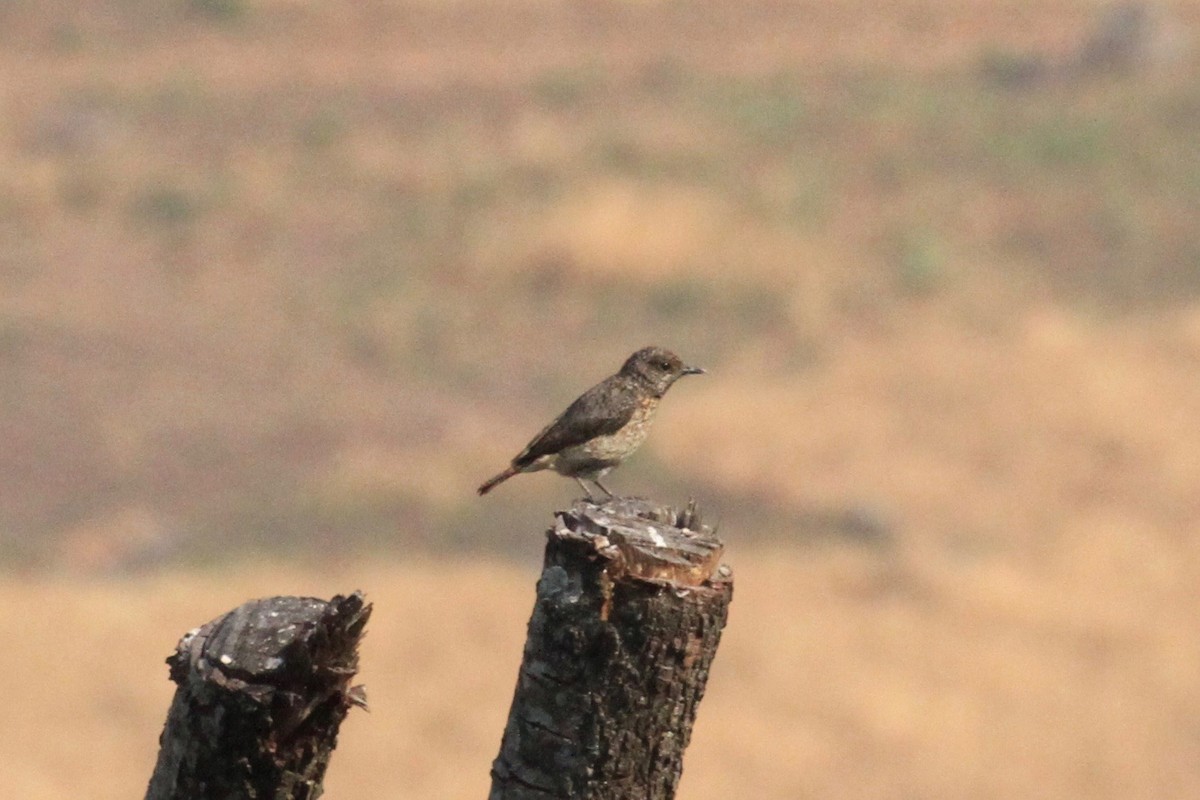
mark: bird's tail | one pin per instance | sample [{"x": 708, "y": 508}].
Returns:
[{"x": 498, "y": 479}]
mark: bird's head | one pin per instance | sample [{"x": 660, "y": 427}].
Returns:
[{"x": 657, "y": 368}]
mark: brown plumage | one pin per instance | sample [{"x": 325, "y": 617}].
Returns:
[{"x": 605, "y": 425}]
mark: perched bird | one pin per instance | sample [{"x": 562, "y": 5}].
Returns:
[{"x": 605, "y": 425}]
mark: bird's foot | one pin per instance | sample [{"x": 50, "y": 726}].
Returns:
[{"x": 587, "y": 493}]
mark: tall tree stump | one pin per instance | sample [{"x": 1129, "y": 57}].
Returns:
[
  {"x": 629, "y": 612},
  {"x": 261, "y": 693}
]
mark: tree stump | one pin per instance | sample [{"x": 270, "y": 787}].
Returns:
[
  {"x": 629, "y": 611},
  {"x": 261, "y": 693}
]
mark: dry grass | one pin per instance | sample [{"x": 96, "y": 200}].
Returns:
[
  {"x": 276, "y": 276},
  {"x": 842, "y": 674},
  {"x": 271, "y": 276},
  {"x": 1012, "y": 438}
]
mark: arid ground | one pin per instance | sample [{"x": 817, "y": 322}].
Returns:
[{"x": 282, "y": 281}]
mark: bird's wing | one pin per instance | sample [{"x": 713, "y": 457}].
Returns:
[{"x": 601, "y": 410}]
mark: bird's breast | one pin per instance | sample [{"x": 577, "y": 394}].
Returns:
[{"x": 620, "y": 444}]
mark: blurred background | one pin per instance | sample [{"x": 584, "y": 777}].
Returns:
[{"x": 283, "y": 281}]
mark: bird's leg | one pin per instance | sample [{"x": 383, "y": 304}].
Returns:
[
  {"x": 586, "y": 491},
  {"x": 603, "y": 488}
]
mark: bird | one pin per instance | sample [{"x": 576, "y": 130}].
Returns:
[{"x": 605, "y": 424}]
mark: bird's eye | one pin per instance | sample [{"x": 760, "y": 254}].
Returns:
[{"x": 665, "y": 366}]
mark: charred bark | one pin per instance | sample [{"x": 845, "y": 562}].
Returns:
[
  {"x": 261, "y": 693},
  {"x": 629, "y": 612}
]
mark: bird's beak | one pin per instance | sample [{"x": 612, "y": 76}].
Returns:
[{"x": 692, "y": 371}]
